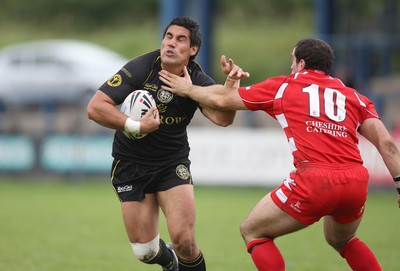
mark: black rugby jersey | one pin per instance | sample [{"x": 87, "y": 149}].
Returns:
[{"x": 170, "y": 141}]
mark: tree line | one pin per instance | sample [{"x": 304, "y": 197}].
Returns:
[{"x": 87, "y": 14}]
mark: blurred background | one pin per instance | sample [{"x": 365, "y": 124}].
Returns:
[{"x": 55, "y": 54}]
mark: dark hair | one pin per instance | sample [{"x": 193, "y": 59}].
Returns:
[
  {"x": 316, "y": 53},
  {"x": 192, "y": 26}
]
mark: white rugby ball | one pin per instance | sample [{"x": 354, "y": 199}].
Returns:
[{"x": 136, "y": 106}]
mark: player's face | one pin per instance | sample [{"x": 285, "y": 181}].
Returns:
[{"x": 175, "y": 47}]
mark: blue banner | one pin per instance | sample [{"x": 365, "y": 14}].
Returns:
[
  {"x": 76, "y": 153},
  {"x": 17, "y": 153}
]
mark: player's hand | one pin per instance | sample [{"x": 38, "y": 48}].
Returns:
[
  {"x": 233, "y": 71},
  {"x": 176, "y": 84},
  {"x": 150, "y": 121}
]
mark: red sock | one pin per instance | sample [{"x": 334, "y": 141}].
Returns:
[
  {"x": 359, "y": 256},
  {"x": 266, "y": 256}
]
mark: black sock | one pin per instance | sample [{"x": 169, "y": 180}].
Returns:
[
  {"x": 197, "y": 264},
  {"x": 163, "y": 257}
]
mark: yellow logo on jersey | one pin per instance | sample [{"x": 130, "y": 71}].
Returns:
[{"x": 115, "y": 80}]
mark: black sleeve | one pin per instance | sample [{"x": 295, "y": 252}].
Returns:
[
  {"x": 130, "y": 77},
  {"x": 198, "y": 76}
]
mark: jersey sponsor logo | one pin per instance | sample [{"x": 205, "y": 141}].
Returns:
[
  {"x": 115, "y": 80},
  {"x": 162, "y": 108},
  {"x": 168, "y": 120},
  {"x": 171, "y": 120},
  {"x": 150, "y": 87},
  {"x": 326, "y": 128},
  {"x": 125, "y": 188},
  {"x": 164, "y": 96},
  {"x": 182, "y": 172}
]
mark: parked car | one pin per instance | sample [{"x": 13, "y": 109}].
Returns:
[{"x": 61, "y": 71}]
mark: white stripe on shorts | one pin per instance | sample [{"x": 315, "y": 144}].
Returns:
[{"x": 281, "y": 196}]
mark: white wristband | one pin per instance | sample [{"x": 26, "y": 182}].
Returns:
[{"x": 132, "y": 126}]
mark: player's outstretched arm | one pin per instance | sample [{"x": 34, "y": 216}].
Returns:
[
  {"x": 219, "y": 97},
  {"x": 375, "y": 131}
]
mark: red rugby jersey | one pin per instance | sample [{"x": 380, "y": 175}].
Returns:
[{"x": 318, "y": 113}]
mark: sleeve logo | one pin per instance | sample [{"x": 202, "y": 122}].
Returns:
[{"x": 115, "y": 80}]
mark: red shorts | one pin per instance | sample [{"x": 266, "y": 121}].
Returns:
[{"x": 314, "y": 191}]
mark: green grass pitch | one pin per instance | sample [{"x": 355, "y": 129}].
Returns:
[{"x": 76, "y": 225}]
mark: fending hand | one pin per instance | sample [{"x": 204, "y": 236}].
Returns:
[
  {"x": 232, "y": 70},
  {"x": 176, "y": 84}
]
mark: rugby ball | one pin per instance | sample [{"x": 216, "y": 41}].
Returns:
[{"x": 136, "y": 106}]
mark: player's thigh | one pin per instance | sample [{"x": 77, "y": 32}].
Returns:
[
  {"x": 337, "y": 234},
  {"x": 178, "y": 206},
  {"x": 141, "y": 219},
  {"x": 268, "y": 220}
]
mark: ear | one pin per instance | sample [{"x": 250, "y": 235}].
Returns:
[
  {"x": 302, "y": 64},
  {"x": 194, "y": 50}
]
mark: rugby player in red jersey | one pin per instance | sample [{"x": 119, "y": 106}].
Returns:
[{"x": 321, "y": 118}]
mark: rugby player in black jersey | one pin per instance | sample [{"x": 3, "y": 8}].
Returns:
[{"x": 153, "y": 172}]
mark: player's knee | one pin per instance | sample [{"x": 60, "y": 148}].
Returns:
[
  {"x": 185, "y": 246},
  {"x": 145, "y": 252},
  {"x": 242, "y": 228},
  {"x": 244, "y": 231},
  {"x": 336, "y": 243}
]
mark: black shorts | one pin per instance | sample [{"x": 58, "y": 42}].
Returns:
[{"x": 132, "y": 181}]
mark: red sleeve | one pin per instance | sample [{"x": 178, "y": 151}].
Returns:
[
  {"x": 260, "y": 96},
  {"x": 369, "y": 108}
]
